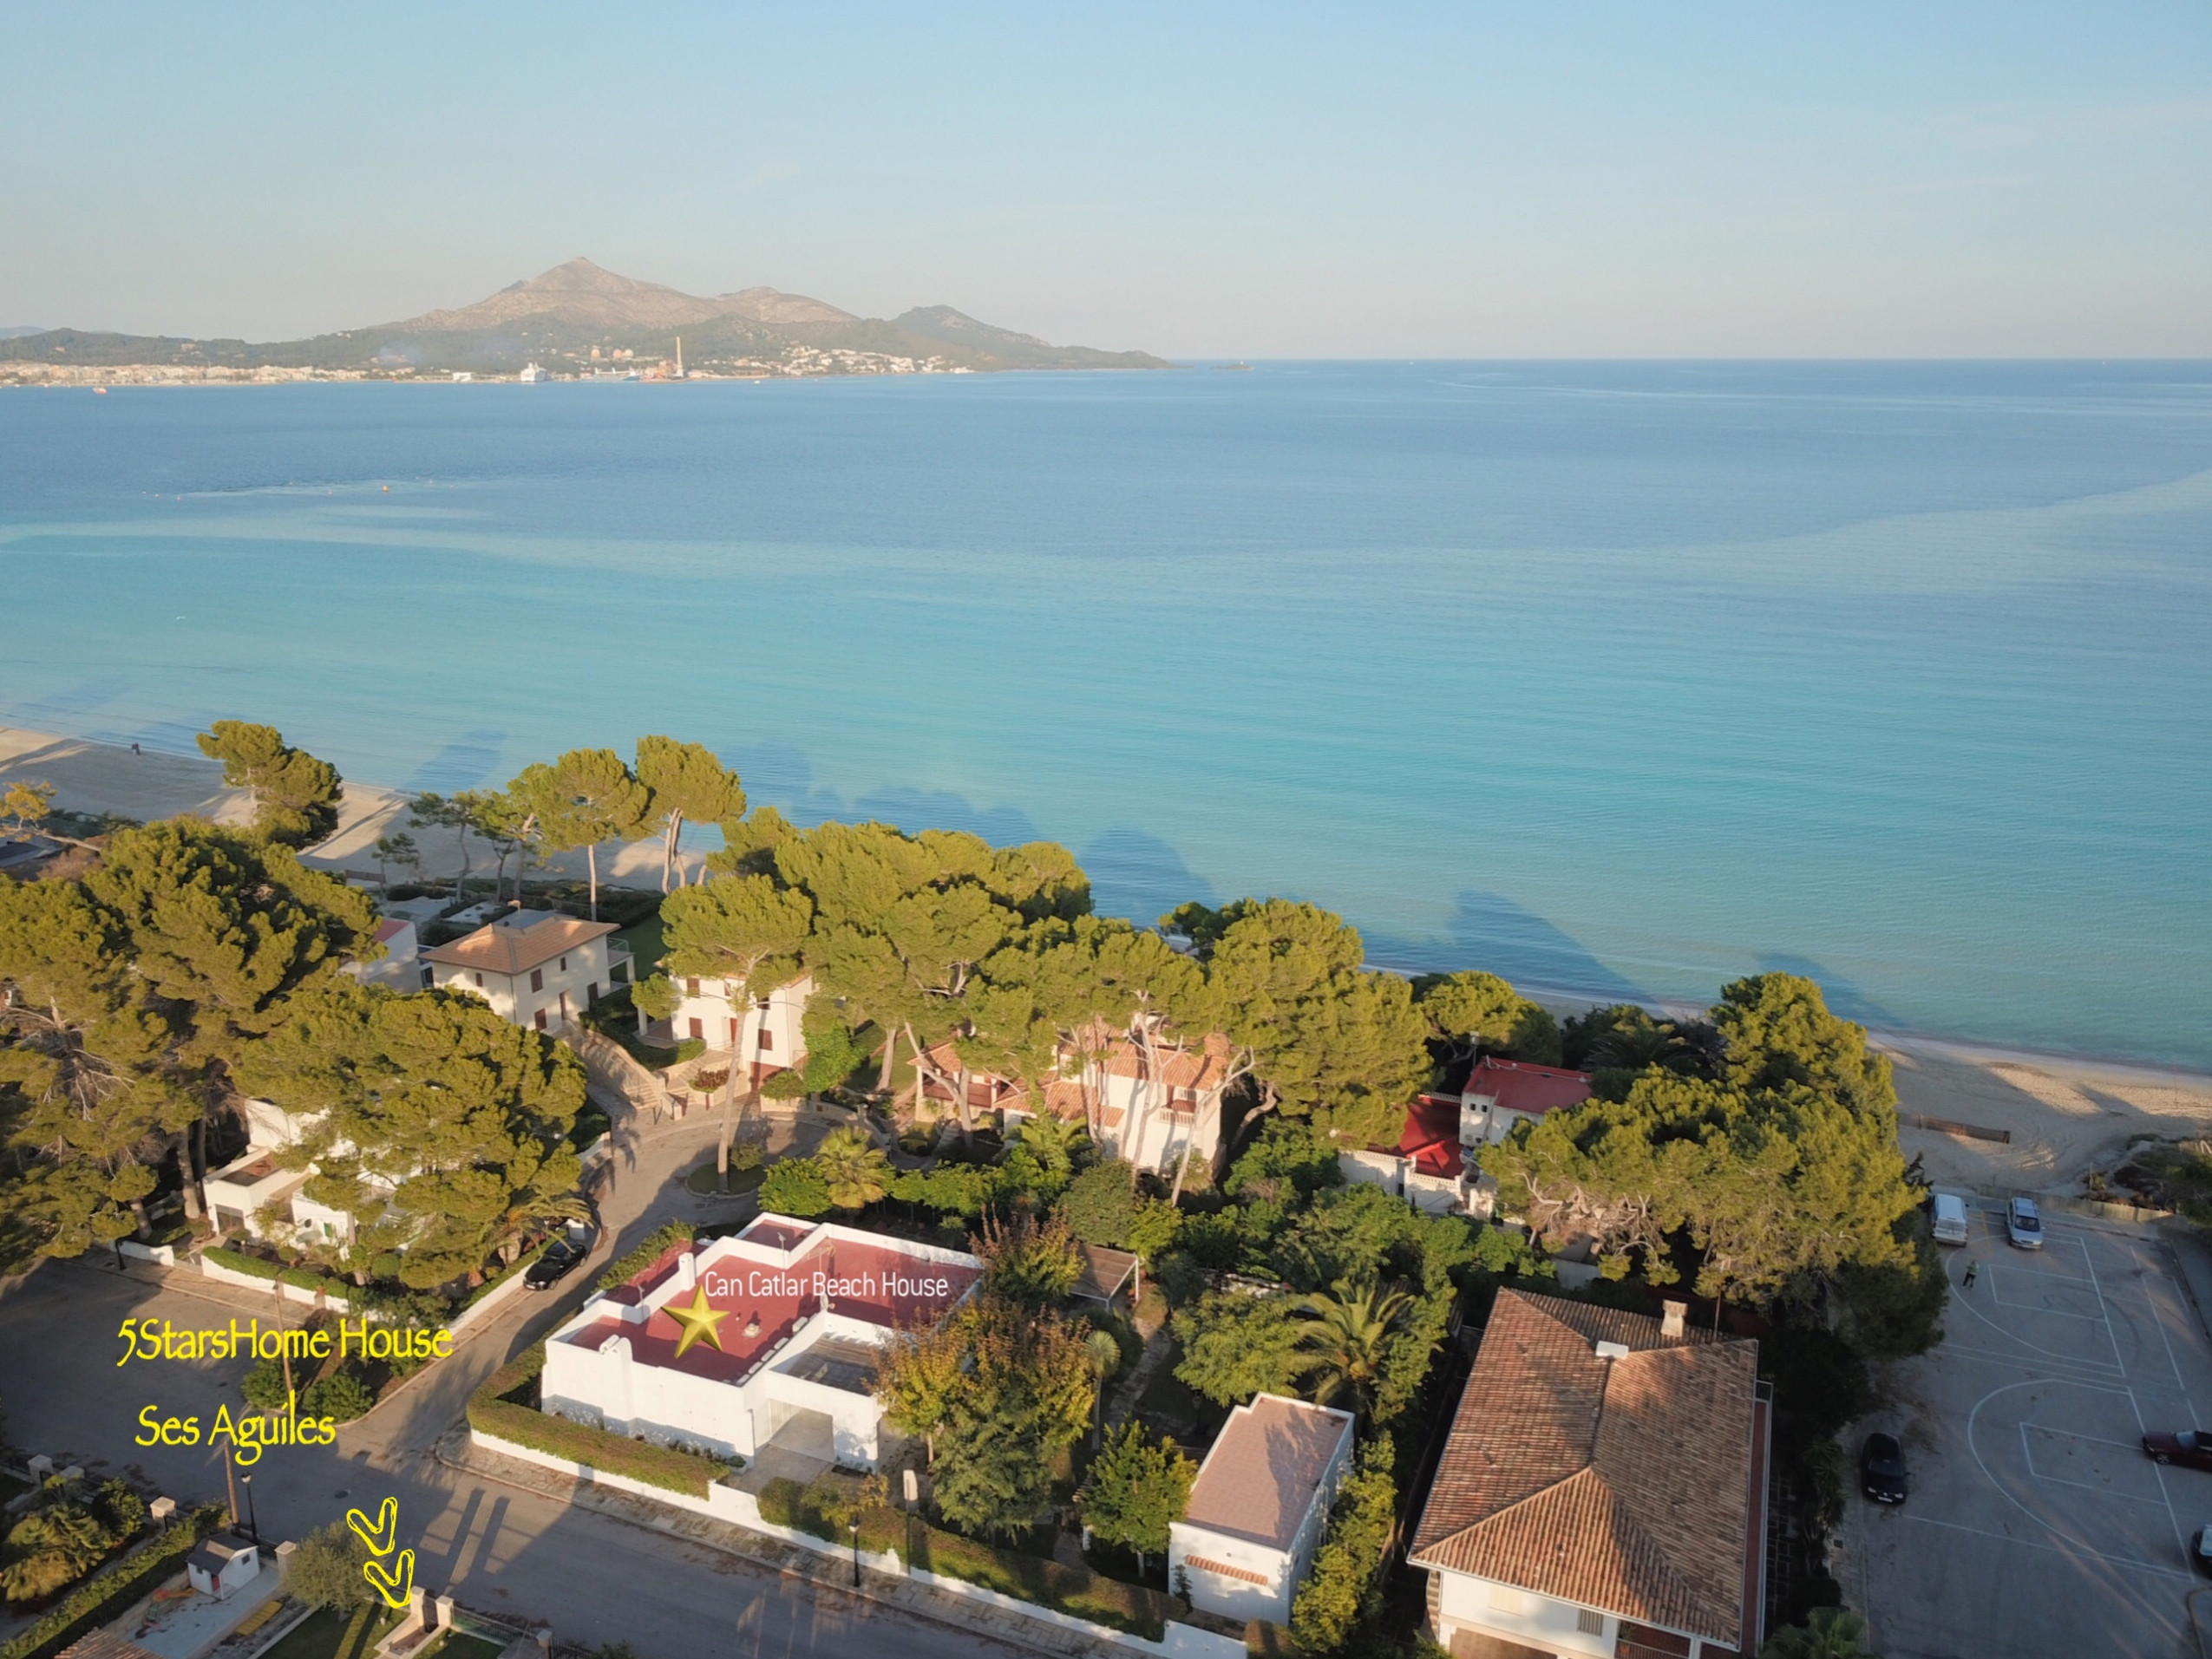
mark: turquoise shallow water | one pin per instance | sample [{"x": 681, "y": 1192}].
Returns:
[{"x": 1617, "y": 678}]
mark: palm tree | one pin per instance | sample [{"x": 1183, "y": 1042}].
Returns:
[
  {"x": 1830, "y": 1633},
  {"x": 1105, "y": 1357},
  {"x": 1347, "y": 1336},
  {"x": 50, "y": 1548},
  {"x": 854, "y": 1167},
  {"x": 1055, "y": 1142}
]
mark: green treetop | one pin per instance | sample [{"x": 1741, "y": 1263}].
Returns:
[
  {"x": 1475, "y": 1010},
  {"x": 688, "y": 783},
  {"x": 295, "y": 796},
  {"x": 584, "y": 799},
  {"x": 1137, "y": 1488}
]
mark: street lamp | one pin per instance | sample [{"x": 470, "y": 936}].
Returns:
[
  {"x": 252, "y": 1521},
  {"x": 855, "y": 1524}
]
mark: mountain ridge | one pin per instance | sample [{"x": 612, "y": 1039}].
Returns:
[{"x": 578, "y": 315}]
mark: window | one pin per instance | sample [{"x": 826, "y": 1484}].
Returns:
[
  {"x": 541, "y": 1020},
  {"x": 480, "y": 980},
  {"x": 1506, "y": 1599},
  {"x": 699, "y": 1029},
  {"x": 564, "y": 964},
  {"x": 1589, "y": 1622},
  {"x": 760, "y": 1002},
  {"x": 537, "y": 979},
  {"x": 768, "y": 1038},
  {"x": 691, "y": 988}
]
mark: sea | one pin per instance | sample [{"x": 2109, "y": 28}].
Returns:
[{"x": 1621, "y": 680}]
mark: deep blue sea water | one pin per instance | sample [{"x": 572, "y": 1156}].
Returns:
[{"x": 1625, "y": 678}]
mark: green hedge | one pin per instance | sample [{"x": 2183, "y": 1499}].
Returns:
[
  {"x": 240, "y": 1262},
  {"x": 101, "y": 1597},
  {"x": 495, "y": 1410},
  {"x": 1074, "y": 1590},
  {"x": 663, "y": 1238}
]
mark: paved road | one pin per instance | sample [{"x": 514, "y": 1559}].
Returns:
[
  {"x": 2036, "y": 1526},
  {"x": 594, "y": 1578}
]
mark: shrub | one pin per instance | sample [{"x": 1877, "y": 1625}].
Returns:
[
  {"x": 747, "y": 1154},
  {"x": 1345, "y": 1586},
  {"x": 123, "y": 1510},
  {"x": 326, "y": 1569},
  {"x": 796, "y": 1187},
  {"x": 824, "y": 1509},
  {"x": 306, "y": 1278},
  {"x": 264, "y": 1387},
  {"x": 342, "y": 1394},
  {"x": 654, "y": 1244},
  {"x": 690, "y": 1048},
  {"x": 51, "y": 1547}
]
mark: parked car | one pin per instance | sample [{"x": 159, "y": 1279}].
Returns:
[
  {"x": 2199, "y": 1550},
  {"x": 2024, "y": 1225},
  {"x": 559, "y": 1261},
  {"x": 2191, "y": 1447},
  {"x": 1882, "y": 1469},
  {"x": 1950, "y": 1223}
]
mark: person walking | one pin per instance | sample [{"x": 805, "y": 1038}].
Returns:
[{"x": 1973, "y": 1268}]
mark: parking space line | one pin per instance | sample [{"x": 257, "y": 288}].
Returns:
[
  {"x": 2158, "y": 1473},
  {"x": 2108, "y": 1337},
  {"x": 2127, "y": 1562},
  {"x": 2027, "y": 1449},
  {"x": 2037, "y": 1347},
  {"x": 2173, "y": 1364},
  {"x": 2095, "y": 1367}
]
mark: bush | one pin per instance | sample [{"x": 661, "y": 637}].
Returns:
[
  {"x": 326, "y": 1569},
  {"x": 342, "y": 1394},
  {"x": 264, "y": 1387},
  {"x": 690, "y": 1048},
  {"x": 655, "y": 1245},
  {"x": 123, "y": 1510},
  {"x": 1346, "y": 1587},
  {"x": 747, "y": 1154},
  {"x": 824, "y": 1509},
  {"x": 494, "y": 1409},
  {"x": 796, "y": 1187},
  {"x": 1073, "y": 1590}
]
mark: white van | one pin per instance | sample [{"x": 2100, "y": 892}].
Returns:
[{"x": 1950, "y": 1218}]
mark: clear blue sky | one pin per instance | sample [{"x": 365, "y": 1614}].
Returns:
[{"x": 1260, "y": 180}]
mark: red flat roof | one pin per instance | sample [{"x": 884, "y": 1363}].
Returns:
[
  {"x": 881, "y": 1284},
  {"x": 1516, "y": 1086},
  {"x": 1431, "y": 1137}
]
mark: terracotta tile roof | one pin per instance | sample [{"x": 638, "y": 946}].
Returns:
[
  {"x": 1619, "y": 1484},
  {"x": 1516, "y": 1086},
  {"x": 1260, "y": 1474},
  {"x": 1430, "y": 1138},
  {"x": 512, "y": 951},
  {"x": 1202, "y": 1068}
]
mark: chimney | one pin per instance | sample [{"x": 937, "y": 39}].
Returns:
[{"x": 1671, "y": 1314}]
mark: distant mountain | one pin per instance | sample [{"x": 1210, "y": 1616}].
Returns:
[
  {"x": 558, "y": 318},
  {"x": 18, "y": 333}
]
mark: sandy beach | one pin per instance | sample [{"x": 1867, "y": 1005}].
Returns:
[{"x": 2066, "y": 1117}]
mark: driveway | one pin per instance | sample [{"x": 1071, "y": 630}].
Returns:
[{"x": 2036, "y": 1526}]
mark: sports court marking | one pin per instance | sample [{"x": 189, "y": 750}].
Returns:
[
  {"x": 2027, "y": 1447},
  {"x": 2126, "y": 1562}
]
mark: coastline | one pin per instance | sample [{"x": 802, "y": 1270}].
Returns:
[{"x": 2065, "y": 1115}]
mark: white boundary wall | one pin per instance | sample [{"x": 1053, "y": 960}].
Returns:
[{"x": 726, "y": 1503}]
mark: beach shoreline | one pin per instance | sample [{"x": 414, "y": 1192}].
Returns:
[{"x": 2059, "y": 1115}]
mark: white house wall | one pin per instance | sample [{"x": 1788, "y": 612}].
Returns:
[
  {"x": 710, "y": 1009},
  {"x": 1518, "y": 1616},
  {"x": 586, "y": 977},
  {"x": 1222, "y": 1594}
]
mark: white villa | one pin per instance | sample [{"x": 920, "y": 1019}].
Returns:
[
  {"x": 1260, "y": 1506},
  {"x": 769, "y": 1336},
  {"x": 253, "y": 1189},
  {"x": 535, "y": 967},
  {"x": 1145, "y": 1098},
  {"x": 767, "y": 1033}
]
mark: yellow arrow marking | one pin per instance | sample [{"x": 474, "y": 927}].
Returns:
[
  {"x": 393, "y": 1587},
  {"x": 385, "y": 1534}
]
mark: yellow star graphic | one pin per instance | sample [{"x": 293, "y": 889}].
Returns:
[{"x": 698, "y": 1321}]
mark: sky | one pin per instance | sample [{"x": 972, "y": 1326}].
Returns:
[{"x": 1264, "y": 180}]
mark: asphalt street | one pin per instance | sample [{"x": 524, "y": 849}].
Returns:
[{"x": 515, "y": 1554}]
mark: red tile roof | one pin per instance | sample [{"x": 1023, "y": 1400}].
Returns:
[
  {"x": 1621, "y": 1484},
  {"x": 1516, "y": 1086}
]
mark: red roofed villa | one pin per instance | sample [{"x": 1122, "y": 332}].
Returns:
[{"x": 789, "y": 1316}]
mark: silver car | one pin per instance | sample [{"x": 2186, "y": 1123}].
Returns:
[{"x": 2024, "y": 1225}]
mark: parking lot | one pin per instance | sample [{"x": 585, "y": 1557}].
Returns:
[{"x": 2036, "y": 1526}]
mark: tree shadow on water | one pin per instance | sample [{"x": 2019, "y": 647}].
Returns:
[{"x": 1494, "y": 934}]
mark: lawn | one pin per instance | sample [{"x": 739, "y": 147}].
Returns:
[
  {"x": 335, "y": 1633},
  {"x": 645, "y": 942},
  {"x": 701, "y": 1180},
  {"x": 459, "y": 1644}
]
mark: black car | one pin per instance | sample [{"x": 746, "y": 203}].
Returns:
[
  {"x": 1882, "y": 1469},
  {"x": 2199, "y": 1550},
  {"x": 561, "y": 1257}
]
